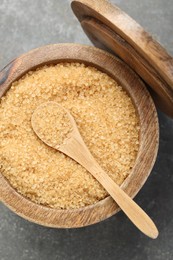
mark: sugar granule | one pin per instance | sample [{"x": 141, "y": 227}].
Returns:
[{"x": 51, "y": 123}]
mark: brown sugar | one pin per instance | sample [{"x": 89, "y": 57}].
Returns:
[
  {"x": 51, "y": 123},
  {"x": 106, "y": 119}
]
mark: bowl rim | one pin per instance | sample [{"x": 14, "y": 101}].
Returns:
[{"x": 149, "y": 132}]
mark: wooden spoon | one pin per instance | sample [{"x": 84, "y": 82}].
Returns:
[{"x": 71, "y": 143}]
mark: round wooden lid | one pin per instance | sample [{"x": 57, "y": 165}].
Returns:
[{"x": 108, "y": 27}]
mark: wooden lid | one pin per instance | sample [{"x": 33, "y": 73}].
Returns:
[{"x": 108, "y": 27}]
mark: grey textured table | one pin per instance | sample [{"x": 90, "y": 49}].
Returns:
[{"x": 28, "y": 24}]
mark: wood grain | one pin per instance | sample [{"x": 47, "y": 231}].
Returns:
[
  {"x": 145, "y": 108},
  {"x": 110, "y": 28}
]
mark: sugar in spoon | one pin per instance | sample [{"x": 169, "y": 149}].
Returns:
[{"x": 57, "y": 128}]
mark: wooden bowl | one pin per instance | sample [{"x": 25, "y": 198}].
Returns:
[{"x": 145, "y": 108}]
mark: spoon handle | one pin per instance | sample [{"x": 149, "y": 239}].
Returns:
[
  {"x": 139, "y": 218},
  {"x": 77, "y": 150}
]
